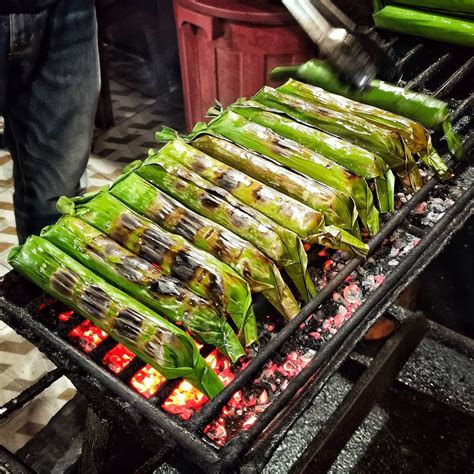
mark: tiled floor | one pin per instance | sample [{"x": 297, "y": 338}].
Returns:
[{"x": 136, "y": 118}]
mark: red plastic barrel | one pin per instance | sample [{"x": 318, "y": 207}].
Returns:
[{"x": 227, "y": 48}]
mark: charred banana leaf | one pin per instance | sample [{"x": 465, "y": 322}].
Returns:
[
  {"x": 354, "y": 129},
  {"x": 356, "y": 159},
  {"x": 430, "y": 112},
  {"x": 199, "y": 271},
  {"x": 277, "y": 206},
  {"x": 414, "y": 136},
  {"x": 158, "y": 342},
  {"x": 300, "y": 158},
  {"x": 258, "y": 270},
  {"x": 145, "y": 282},
  {"x": 279, "y": 244},
  {"x": 338, "y": 208}
]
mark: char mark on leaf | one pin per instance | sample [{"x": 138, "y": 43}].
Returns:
[
  {"x": 94, "y": 301},
  {"x": 63, "y": 281},
  {"x": 183, "y": 267},
  {"x": 128, "y": 323},
  {"x": 165, "y": 287}
]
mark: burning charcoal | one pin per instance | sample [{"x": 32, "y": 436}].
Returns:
[
  {"x": 178, "y": 356},
  {"x": 199, "y": 271},
  {"x": 259, "y": 271}
]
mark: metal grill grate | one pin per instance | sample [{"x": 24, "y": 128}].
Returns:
[{"x": 426, "y": 67}]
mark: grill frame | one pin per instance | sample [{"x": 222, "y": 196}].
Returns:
[{"x": 92, "y": 379}]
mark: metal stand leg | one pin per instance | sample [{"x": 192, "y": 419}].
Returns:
[{"x": 97, "y": 445}]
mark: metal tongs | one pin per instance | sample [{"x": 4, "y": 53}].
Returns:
[{"x": 355, "y": 53}]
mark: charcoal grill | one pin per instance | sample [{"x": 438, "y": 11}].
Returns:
[{"x": 441, "y": 71}]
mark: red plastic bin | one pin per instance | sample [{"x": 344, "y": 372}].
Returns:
[{"x": 227, "y": 48}]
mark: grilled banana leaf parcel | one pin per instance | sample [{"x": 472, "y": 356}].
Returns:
[
  {"x": 145, "y": 282},
  {"x": 199, "y": 271},
  {"x": 281, "y": 245},
  {"x": 349, "y": 127},
  {"x": 356, "y": 159},
  {"x": 455, "y": 6},
  {"x": 338, "y": 208},
  {"x": 259, "y": 271},
  {"x": 158, "y": 342},
  {"x": 435, "y": 26},
  {"x": 430, "y": 112},
  {"x": 414, "y": 136},
  {"x": 295, "y": 216},
  {"x": 300, "y": 158}
]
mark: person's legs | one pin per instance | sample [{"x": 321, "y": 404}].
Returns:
[
  {"x": 53, "y": 86},
  {"x": 4, "y": 48}
]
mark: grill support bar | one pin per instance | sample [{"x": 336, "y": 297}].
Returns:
[{"x": 323, "y": 450}]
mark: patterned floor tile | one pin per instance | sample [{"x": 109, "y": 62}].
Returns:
[
  {"x": 8, "y": 238},
  {"x": 6, "y": 170},
  {"x": 24, "y": 424}
]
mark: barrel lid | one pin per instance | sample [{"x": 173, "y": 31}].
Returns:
[{"x": 270, "y": 12}]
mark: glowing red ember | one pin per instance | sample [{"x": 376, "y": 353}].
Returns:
[
  {"x": 185, "y": 400},
  {"x": 147, "y": 381},
  {"x": 65, "y": 315},
  {"x": 118, "y": 358},
  {"x": 87, "y": 335},
  {"x": 242, "y": 411}
]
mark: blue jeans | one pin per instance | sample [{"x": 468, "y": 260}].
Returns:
[{"x": 49, "y": 86}]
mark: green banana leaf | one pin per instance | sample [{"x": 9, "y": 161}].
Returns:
[
  {"x": 354, "y": 158},
  {"x": 435, "y": 26},
  {"x": 298, "y": 157},
  {"x": 258, "y": 270},
  {"x": 338, "y": 208},
  {"x": 353, "y": 129},
  {"x": 199, "y": 271},
  {"x": 422, "y": 108},
  {"x": 143, "y": 281},
  {"x": 282, "y": 246},
  {"x": 158, "y": 342},
  {"x": 385, "y": 142},
  {"x": 457, "y": 7},
  {"x": 414, "y": 136}
]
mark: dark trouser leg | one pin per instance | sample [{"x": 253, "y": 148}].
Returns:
[{"x": 53, "y": 85}]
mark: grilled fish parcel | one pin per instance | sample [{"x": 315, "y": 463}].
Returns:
[
  {"x": 199, "y": 271},
  {"x": 154, "y": 339}
]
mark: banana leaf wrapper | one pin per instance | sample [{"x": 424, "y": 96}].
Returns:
[
  {"x": 259, "y": 271},
  {"x": 140, "y": 279},
  {"x": 352, "y": 128},
  {"x": 279, "y": 244},
  {"x": 155, "y": 340},
  {"x": 414, "y": 136},
  {"x": 435, "y": 26},
  {"x": 422, "y": 108},
  {"x": 276, "y": 206},
  {"x": 457, "y": 7},
  {"x": 354, "y": 158},
  {"x": 338, "y": 208},
  {"x": 295, "y": 156},
  {"x": 199, "y": 271}
]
